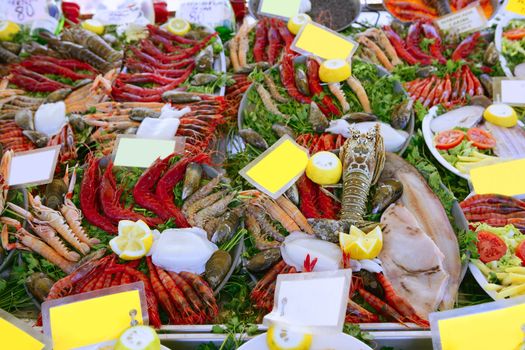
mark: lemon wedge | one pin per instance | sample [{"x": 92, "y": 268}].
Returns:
[
  {"x": 138, "y": 338},
  {"x": 279, "y": 338},
  {"x": 93, "y": 26},
  {"x": 8, "y": 30},
  {"x": 360, "y": 245},
  {"x": 501, "y": 114},
  {"x": 334, "y": 71},
  {"x": 134, "y": 240},
  {"x": 297, "y": 22},
  {"x": 324, "y": 168},
  {"x": 178, "y": 26}
]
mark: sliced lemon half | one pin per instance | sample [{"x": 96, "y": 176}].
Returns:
[
  {"x": 324, "y": 168},
  {"x": 8, "y": 30},
  {"x": 360, "y": 245},
  {"x": 334, "y": 71},
  {"x": 501, "y": 114},
  {"x": 93, "y": 26},
  {"x": 138, "y": 338},
  {"x": 279, "y": 338},
  {"x": 178, "y": 26},
  {"x": 134, "y": 240},
  {"x": 297, "y": 22}
]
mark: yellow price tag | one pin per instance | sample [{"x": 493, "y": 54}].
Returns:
[
  {"x": 94, "y": 318},
  {"x": 320, "y": 41},
  {"x": 502, "y": 178},
  {"x": 15, "y": 338},
  {"x": 274, "y": 171},
  {"x": 516, "y": 6}
]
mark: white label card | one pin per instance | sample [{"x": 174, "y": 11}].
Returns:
[
  {"x": 513, "y": 92},
  {"x": 23, "y": 11},
  {"x": 466, "y": 20},
  {"x": 35, "y": 167},
  {"x": 123, "y": 15},
  {"x": 313, "y": 302},
  {"x": 207, "y": 12},
  {"x": 131, "y": 151}
]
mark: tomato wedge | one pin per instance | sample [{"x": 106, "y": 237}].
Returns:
[
  {"x": 449, "y": 139},
  {"x": 480, "y": 138},
  {"x": 515, "y": 34},
  {"x": 520, "y": 252},
  {"x": 490, "y": 246}
]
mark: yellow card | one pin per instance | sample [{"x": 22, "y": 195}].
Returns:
[
  {"x": 516, "y": 6},
  {"x": 131, "y": 151},
  {"x": 15, "y": 338},
  {"x": 497, "y": 329},
  {"x": 320, "y": 41},
  {"x": 502, "y": 178},
  {"x": 93, "y": 319},
  {"x": 274, "y": 171}
]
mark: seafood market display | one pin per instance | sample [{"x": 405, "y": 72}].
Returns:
[{"x": 391, "y": 134}]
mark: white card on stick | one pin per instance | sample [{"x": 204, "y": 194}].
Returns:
[{"x": 35, "y": 167}]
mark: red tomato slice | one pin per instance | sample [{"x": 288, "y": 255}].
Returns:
[
  {"x": 515, "y": 34},
  {"x": 481, "y": 139},
  {"x": 520, "y": 252},
  {"x": 449, "y": 139},
  {"x": 490, "y": 246}
]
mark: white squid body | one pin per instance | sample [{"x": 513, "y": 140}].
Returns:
[
  {"x": 50, "y": 118},
  {"x": 298, "y": 245},
  {"x": 394, "y": 139},
  {"x": 180, "y": 250}
]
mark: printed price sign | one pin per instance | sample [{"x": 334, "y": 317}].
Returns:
[
  {"x": 279, "y": 8},
  {"x": 516, "y": 6},
  {"x": 276, "y": 170},
  {"x": 466, "y": 20},
  {"x": 503, "y": 178},
  {"x": 208, "y": 12},
  {"x": 23, "y": 11},
  {"x": 322, "y": 42},
  {"x": 497, "y": 325},
  {"x": 124, "y": 15}
]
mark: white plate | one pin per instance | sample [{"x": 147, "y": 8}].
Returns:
[
  {"x": 498, "y": 35},
  {"x": 429, "y": 140},
  {"x": 339, "y": 341},
  {"x": 481, "y": 279}
]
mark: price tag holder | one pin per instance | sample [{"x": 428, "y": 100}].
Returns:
[
  {"x": 315, "y": 39},
  {"x": 469, "y": 19},
  {"x": 16, "y": 334},
  {"x": 123, "y": 15},
  {"x": 311, "y": 302},
  {"x": 212, "y": 13},
  {"x": 35, "y": 167},
  {"x": 504, "y": 178},
  {"x": 516, "y": 6},
  {"x": 93, "y": 317},
  {"x": 132, "y": 151},
  {"x": 279, "y": 8},
  {"x": 23, "y": 11},
  {"x": 277, "y": 169},
  {"x": 509, "y": 91},
  {"x": 496, "y": 325}
]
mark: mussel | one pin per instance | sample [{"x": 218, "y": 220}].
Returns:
[
  {"x": 77, "y": 122},
  {"x": 317, "y": 119},
  {"x": 426, "y": 71},
  {"x": 491, "y": 56},
  {"x": 486, "y": 81},
  {"x": 140, "y": 113},
  {"x": 357, "y": 117},
  {"x": 228, "y": 226},
  {"x": 39, "y": 285},
  {"x": 293, "y": 194},
  {"x": 252, "y": 66},
  {"x": 387, "y": 192},
  {"x": 480, "y": 100},
  {"x": 24, "y": 118},
  {"x": 253, "y": 138},
  {"x": 301, "y": 81},
  {"x": 58, "y": 95},
  {"x": 217, "y": 267},
  {"x": 39, "y": 139},
  {"x": 262, "y": 261},
  {"x": 192, "y": 179},
  {"x": 54, "y": 194},
  {"x": 281, "y": 130},
  {"x": 176, "y": 96},
  {"x": 402, "y": 114},
  {"x": 200, "y": 79},
  {"x": 204, "y": 61}
]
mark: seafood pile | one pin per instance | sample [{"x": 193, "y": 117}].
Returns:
[
  {"x": 413, "y": 10},
  {"x": 495, "y": 210}
]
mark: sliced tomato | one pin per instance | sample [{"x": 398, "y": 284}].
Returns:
[
  {"x": 449, "y": 139},
  {"x": 520, "y": 252},
  {"x": 480, "y": 138},
  {"x": 515, "y": 34},
  {"x": 490, "y": 246}
]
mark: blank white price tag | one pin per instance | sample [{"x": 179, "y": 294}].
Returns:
[
  {"x": 35, "y": 167},
  {"x": 23, "y": 11},
  {"x": 513, "y": 92},
  {"x": 313, "y": 302},
  {"x": 466, "y": 20}
]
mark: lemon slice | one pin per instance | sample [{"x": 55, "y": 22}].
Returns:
[
  {"x": 279, "y": 338},
  {"x": 324, "y": 168},
  {"x": 360, "y": 245},
  {"x": 297, "y": 22},
  {"x": 501, "y": 114},
  {"x": 93, "y": 26},
  {"x": 334, "y": 71},
  {"x": 178, "y": 26},
  {"x": 134, "y": 240},
  {"x": 138, "y": 338},
  {"x": 8, "y": 30}
]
